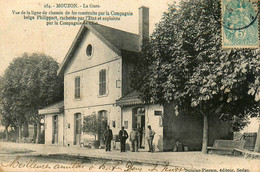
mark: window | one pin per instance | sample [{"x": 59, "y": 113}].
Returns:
[
  {"x": 55, "y": 124},
  {"x": 89, "y": 50},
  {"x": 78, "y": 123},
  {"x": 77, "y": 88},
  {"x": 157, "y": 113},
  {"x": 102, "y": 82},
  {"x": 114, "y": 124},
  {"x": 126, "y": 124}
]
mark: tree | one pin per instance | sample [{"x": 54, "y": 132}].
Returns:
[
  {"x": 30, "y": 83},
  {"x": 5, "y": 120},
  {"x": 184, "y": 63},
  {"x": 91, "y": 125}
]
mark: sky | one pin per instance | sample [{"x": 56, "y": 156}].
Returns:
[{"x": 18, "y": 35}]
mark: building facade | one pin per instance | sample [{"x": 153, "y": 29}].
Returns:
[{"x": 96, "y": 73}]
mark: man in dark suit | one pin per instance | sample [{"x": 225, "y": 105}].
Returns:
[
  {"x": 140, "y": 136},
  {"x": 108, "y": 135},
  {"x": 123, "y": 135}
]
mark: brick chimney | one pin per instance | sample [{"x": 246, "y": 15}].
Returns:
[{"x": 143, "y": 25}]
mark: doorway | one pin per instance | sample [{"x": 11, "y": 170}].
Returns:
[
  {"x": 139, "y": 123},
  {"x": 55, "y": 134},
  {"x": 102, "y": 120},
  {"x": 77, "y": 129}
]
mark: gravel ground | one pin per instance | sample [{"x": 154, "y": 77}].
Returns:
[{"x": 93, "y": 159}]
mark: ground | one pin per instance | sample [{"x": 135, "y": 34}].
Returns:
[{"x": 29, "y": 157}]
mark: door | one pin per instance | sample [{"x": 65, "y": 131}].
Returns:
[
  {"x": 77, "y": 138},
  {"x": 139, "y": 124},
  {"x": 102, "y": 116},
  {"x": 55, "y": 130},
  {"x": 143, "y": 130}
]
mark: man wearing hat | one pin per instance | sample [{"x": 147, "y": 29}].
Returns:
[
  {"x": 108, "y": 136},
  {"x": 123, "y": 135},
  {"x": 150, "y": 137}
]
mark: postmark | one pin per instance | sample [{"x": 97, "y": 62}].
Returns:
[{"x": 240, "y": 24}]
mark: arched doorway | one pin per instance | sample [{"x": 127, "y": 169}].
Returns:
[
  {"x": 77, "y": 129},
  {"x": 138, "y": 122},
  {"x": 102, "y": 118}
]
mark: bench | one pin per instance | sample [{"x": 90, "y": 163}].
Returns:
[
  {"x": 248, "y": 153},
  {"x": 226, "y": 146}
]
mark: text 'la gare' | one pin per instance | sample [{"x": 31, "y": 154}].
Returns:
[{"x": 69, "y": 5}]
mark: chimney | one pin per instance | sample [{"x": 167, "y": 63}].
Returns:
[{"x": 143, "y": 25}]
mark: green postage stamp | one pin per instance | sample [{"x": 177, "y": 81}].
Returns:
[{"x": 240, "y": 24}]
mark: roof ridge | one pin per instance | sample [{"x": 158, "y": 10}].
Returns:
[{"x": 110, "y": 28}]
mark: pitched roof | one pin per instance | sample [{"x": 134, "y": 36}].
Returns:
[
  {"x": 129, "y": 99},
  {"x": 120, "y": 39},
  {"x": 54, "y": 108},
  {"x": 115, "y": 39}
]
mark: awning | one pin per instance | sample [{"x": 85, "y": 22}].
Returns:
[
  {"x": 129, "y": 99},
  {"x": 54, "y": 108}
]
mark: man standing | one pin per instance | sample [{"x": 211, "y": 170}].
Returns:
[
  {"x": 123, "y": 135},
  {"x": 134, "y": 140},
  {"x": 150, "y": 137},
  {"x": 140, "y": 136},
  {"x": 108, "y": 135}
]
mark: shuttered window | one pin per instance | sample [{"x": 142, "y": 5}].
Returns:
[
  {"x": 102, "y": 82},
  {"x": 77, "y": 87}
]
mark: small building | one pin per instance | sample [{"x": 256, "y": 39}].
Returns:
[
  {"x": 136, "y": 114},
  {"x": 54, "y": 123}
]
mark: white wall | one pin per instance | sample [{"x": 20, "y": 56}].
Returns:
[
  {"x": 49, "y": 128},
  {"x": 101, "y": 53},
  {"x": 90, "y": 86},
  {"x": 150, "y": 119},
  {"x": 88, "y": 70},
  {"x": 113, "y": 113}
]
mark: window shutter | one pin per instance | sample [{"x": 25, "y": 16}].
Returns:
[
  {"x": 77, "y": 87},
  {"x": 102, "y": 82}
]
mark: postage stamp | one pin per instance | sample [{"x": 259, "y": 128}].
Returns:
[{"x": 240, "y": 24}]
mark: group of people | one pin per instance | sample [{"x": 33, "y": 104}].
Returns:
[{"x": 135, "y": 138}]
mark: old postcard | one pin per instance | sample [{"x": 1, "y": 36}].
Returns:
[
  {"x": 129, "y": 85},
  {"x": 240, "y": 24}
]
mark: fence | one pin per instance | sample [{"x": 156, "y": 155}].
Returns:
[{"x": 250, "y": 139}]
